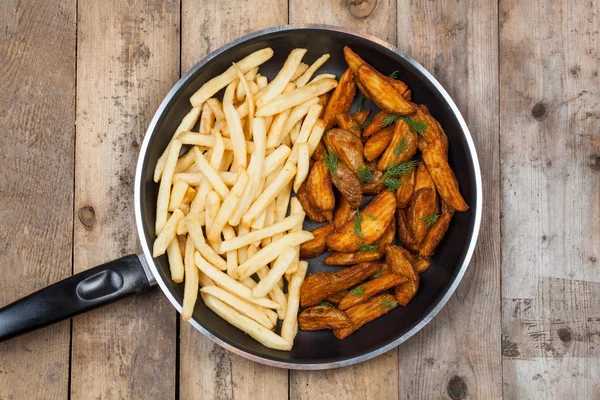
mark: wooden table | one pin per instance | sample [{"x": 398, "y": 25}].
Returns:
[{"x": 79, "y": 83}]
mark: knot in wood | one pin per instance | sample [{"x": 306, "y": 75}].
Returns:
[
  {"x": 539, "y": 110},
  {"x": 565, "y": 335},
  {"x": 595, "y": 162},
  {"x": 361, "y": 8},
  {"x": 87, "y": 216},
  {"x": 457, "y": 387}
]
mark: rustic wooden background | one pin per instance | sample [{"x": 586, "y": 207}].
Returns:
[{"x": 80, "y": 81}]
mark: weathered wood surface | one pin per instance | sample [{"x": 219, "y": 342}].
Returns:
[
  {"x": 525, "y": 76},
  {"x": 128, "y": 59},
  {"x": 207, "y": 371},
  {"x": 37, "y": 131},
  {"x": 550, "y": 149}
]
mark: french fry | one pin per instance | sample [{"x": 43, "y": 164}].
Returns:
[
  {"x": 199, "y": 139},
  {"x": 289, "y": 327},
  {"x": 305, "y": 77},
  {"x": 175, "y": 260},
  {"x": 189, "y": 195},
  {"x": 211, "y": 175},
  {"x": 275, "y": 88},
  {"x": 182, "y": 227},
  {"x": 303, "y": 165},
  {"x": 184, "y": 162},
  {"x": 261, "y": 82},
  {"x": 284, "y": 177},
  {"x": 186, "y": 124},
  {"x": 287, "y": 256},
  {"x": 213, "y": 205},
  {"x": 230, "y": 256},
  {"x": 299, "y": 71},
  {"x": 195, "y": 231},
  {"x": 227, "y": 208},
  {"x": 276, "y": 129},
  {"x": 275, "y": 160},
  {"x": 164, "y": 189},
  {"x": 249, "y": 310},
  {"x": 249, "y": 96},
  {"x": 323, "y": 76},
  {"x": 238, "y": 140},
  {"x": 295, "y": 132},
  {"x": 217, "y": 83},
  {"x": 270, "y": 253},
  {"x": 190, "y": 289},
  {"x": 296, "y": 114},
  {"x": 305, "y": 130},
  {"x": 300, "y": 95},
  {"x": 177, "y": 193},
  {"x": 217, "y": 109},
  {"x": 240, "y": 92},
  {"x": 315, "y": 136},
  {"x": 167, "y": 234},
  {"x": 231, "y": 285},
  {"x": 207, "y": 120}
]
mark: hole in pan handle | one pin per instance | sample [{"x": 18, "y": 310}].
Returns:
[{"x": 79, "y": 293}]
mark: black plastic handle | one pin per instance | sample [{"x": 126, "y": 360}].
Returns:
[{"x": 77, "y": 294}]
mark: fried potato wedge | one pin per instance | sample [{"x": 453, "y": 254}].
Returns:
[
  {"x": 385, "y": 270},
  {"x": 318, "y": 187},
  {"x": 336, "y": 298},
  {"x": 366, "y": 229},
  {"x": 361, "y": 116},
  {"x": 402, "y": 147},
  {"x": 369, "y": 253},
  {"x": 317, "y": 245},
  {"x": 436, "y": 160},
  {"x": 433, "y": 130},
  {"x": 375, "y": 186},
  {"x": 435, "y": 235},
  {"x": 319, "y": 152},
  {"x": 423, "y": 178},
  {"x": 382, "y": 93},
  {"x": 405, "y": 292},
  {"x": 311, "y": 211},
  {"x": 378, "y": 143},
  {"x": 400, "y": 261},
  {"x": 420, "y": 263},
  {"x": 346, "y": 122},
  {"x": 342, "y": 213},
  {"x": 346, "y": 181},
  {"x": 405, "y": 191},
  {"x": 366, "y": 312},
  {"x": 347, "y": 146},
  {"x": 405, "y": 235},
  {"x": 341, "y": 98},
  {"x": 365, "y": 291},
  {"x": 375, "y": 125},
  {"x": 422, "y": 206},
  {"x": 322, "y": 317},
  {"x": 319, "y": 286}
]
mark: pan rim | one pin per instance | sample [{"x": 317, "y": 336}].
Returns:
[{"x": 147, "y": 254}]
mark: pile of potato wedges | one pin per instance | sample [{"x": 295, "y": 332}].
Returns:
[{"x": 384, "y": 189}]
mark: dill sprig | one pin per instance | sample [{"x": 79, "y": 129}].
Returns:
[
  {"x": 377, "y": 274},
  {"x": 429, "y": 221},
  {"x": 394, "y": 75},
  {"x": 361, "y": 102},
  {"x": 417, "y": 126},
  {"x": 389, "y": 120},
  {"x": 326, "y": 304},
  {"x": 367, "y": 248},
  {"x": 363, "y": 125},
  {"x": 357, "y": 291},
  {"x": 400, "y": 147},
  {"x": 357, "y": 225},
  {"x": 392, "y": 183},
  {"x": 365, "y": 175},
  {"x": 393, "y": 173},
  {"x": 371, "y": 216},
  {"x": 331, "y": 160},
  {"x": 387, "y": 303}
]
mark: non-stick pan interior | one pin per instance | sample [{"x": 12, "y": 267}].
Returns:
[{"x": 322, "y": 347}]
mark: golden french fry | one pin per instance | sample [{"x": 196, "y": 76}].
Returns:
[
  {"x": 195, "y": 231},
  {"x": 217, "y": 83},
  {"x": 275, "y": 160},
  {"x": 213, "y": 205},
  {"x": 207, "y": 120},
  {"x": 300, "y": 95},
  {"x": 303, "y": 165},
  {"x": 164, "y": 189},
  {"x": 227, "y": 208},
  {"x": 167, "y": 234},
  {"x": 275, "y": 88},
  {"x": 182, "y": 227},
  {"x": 175, "y": 260},
  {"x": 249, "y": 96},
  {"x": 296, "y": 114},
  {"x": 323, "y": 76},
  {"x": 302, "y": 67},
  {"x": 287, "y": 256},
  {"x": 217, "y": 109},
  {"x": 236, "y": 132},
  {"x": 230, "y": 256},
  {"x": 290, "y": 322},
  {"x": 189, "y": 195},
  {"x": 305, "y": 77},
  {"x": 184, "y": 162},
  {"x": 295, "y": 132},
  {"x": 190, "y": 289},
  {"x": 249, "y": 310},
  {"x": 199, "y": 139},
  {"x": 315, "y": 136},
  {"x": 177, "y": 194},
  {"x": 211, "y": 175},
  {"x": 275, "y": 131}
]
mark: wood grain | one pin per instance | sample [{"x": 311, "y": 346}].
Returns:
[
  {"x": 128, "y": 59},
  {"x": 378, "y": 378},
  {"x": 458, "y": 354},
  {"x": 550, "y": 141},
  {"x": 207, "y": 371},
  {"x": 37, "y": 115}
]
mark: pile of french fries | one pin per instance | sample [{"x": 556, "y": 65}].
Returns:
[{"x": 225, "y": 189}]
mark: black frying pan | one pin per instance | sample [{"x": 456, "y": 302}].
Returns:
[{"x": 312, "y": 350}]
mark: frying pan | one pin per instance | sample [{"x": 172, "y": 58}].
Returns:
[{"x": 312, "y": 350}]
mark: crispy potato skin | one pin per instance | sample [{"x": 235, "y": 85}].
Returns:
[
  {"x": 433, "y": 129},
  {"x": 375, "y": 125},
  {"x": 336, "y": 298},
  {"x": 435, "y": 235},
  {"x": 311, "y": 211},
  {"x": 405, "y": 235},
  {"x": 381, "y": 208},
  {"x": 318, "y": 187},
  {"x": 317, "y": 245},
  {"x": 423, "y": 179},
  {"x": 348, "y": 184},
  {"x": 366, "y": 312},
  {"x": 342, "y": 213},
  {"x": 376, "y": 186},
  {"x": 406, "y": 291},
  {"x": 436, "y": 160},
  {"x": 422, "y": 205},
  {"x": 346, "y": 122},
  {"x": 322, "y": 317},
  {"x": 391, "y": 156},
  {"x": 384, "y": 94},
  {"x": 347, "y": 146},
  {"x": 378, "y": 143},
  {"x": 321, "y": 285},
  {"x": 421, "y": 264},
  {"x": 406, "y": 189},
  {"x": 370, "y": 289},
  {"x": 341, "y": 98},
  {"x": 361, "y": 116},
  {"x": 400, "y": 261}
]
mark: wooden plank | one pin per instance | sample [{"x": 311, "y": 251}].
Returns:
[
  {"x": 128, "y": 59},
  {"x": 458, "y": 354},
  {"x": 207, "y": 371},
  {"x": 378, "y": 378},
  {"x": 550, "y": 143},
  {"x": 37, "y": 103}
]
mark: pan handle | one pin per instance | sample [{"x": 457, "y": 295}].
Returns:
[{"x": 77, "y": 294}]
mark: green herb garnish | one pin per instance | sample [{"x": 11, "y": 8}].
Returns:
[
  {"x": 389, "y": 120},
  {"x": 326, "y": 304},
  {"x": 371, "y": 216},
  {"x": 367, "y": 248},
  {"x": 417, "y": 126},
  {"x": 363, "y": 125},
  {"x": 429, "y": 221},
  {"x": 394, "y": 75},
  {"x": 377, "y": 274},
  {"x": 365, "y": 175},
  {"x": 393, "y": 173},
  {"x": 357, "y": 225},
  {"x": 361, "y": 102},
  {"x": 400, "y": 147},
  {"x": 387, "y": 303},
  {"x": 392, "y": 183},
  {"x": 357, "y": 291},
  {"x": 331, "y": 160}
]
